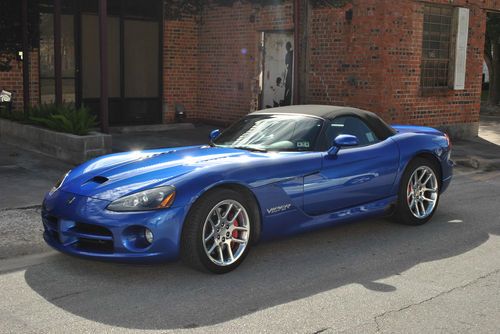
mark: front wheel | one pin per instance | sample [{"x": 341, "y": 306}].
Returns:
[
  {"x": 418, "y": 194},
  {"x": 219, "y": 231}
]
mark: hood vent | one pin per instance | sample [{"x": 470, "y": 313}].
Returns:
[{"x": 98, "y": 179}]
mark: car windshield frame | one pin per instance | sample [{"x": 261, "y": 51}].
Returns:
[{"x": 234, "y": 136}]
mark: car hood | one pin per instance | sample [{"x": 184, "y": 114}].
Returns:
[{"x": 114, "y": 176}]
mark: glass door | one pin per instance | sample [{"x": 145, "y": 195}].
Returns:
[
  {"x": 141, "y": 72},
  {"x": 134, "y": 68}
]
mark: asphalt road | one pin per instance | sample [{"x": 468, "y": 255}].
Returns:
[{"x": 366, "y": 277}]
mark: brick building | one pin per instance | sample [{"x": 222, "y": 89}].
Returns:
[{"x": 410, "y": 61}]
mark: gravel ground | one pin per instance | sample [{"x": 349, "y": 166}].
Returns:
[{"x": 21, "y": 232}]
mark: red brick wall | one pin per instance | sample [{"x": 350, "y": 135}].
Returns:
[
  {"x": 12, "y": 81},
  {"x": 372, "y": 62},
  {"x": 180, "y": 66},
  {"x": 344, "y": 58},
  {"x": 380, "y": 67},
  {"x": 211, "y": 65},
  {"x": 229, "y": 57}
]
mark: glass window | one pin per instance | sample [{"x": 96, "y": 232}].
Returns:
[
  {"x": 47, "y": 74},
  {"x": 272, "y": 133},
  {"x": 349, "y": 125},
  {"x": 141, "y": 55},
  {"x": 91, "y": 84},
  {"x": 436, "y": 46}
]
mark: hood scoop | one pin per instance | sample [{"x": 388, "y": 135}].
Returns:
[{"x": 98, "y": 179}]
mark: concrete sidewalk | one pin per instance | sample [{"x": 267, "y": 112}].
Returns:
[
  {"x": 26, "y": 176},
  {"x": 482, "y": 152}
]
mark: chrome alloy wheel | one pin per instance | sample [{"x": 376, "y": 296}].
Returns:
[
  {"x": 422, "y": 192},
  {"x": 226, "y": 232}
]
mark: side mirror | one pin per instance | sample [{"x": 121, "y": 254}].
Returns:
[
  {"x": 214, "y": 134},
  {"x": 342, "y": 141}
]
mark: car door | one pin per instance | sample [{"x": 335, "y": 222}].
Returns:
[{"x": 355, "y": 175}]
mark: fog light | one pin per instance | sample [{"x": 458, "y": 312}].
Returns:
[{"x": 148, "y": 235}]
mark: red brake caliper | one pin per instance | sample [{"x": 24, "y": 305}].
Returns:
[{"x": 235, "y": 235}]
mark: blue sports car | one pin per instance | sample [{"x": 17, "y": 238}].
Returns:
[{"x": 274, "y": 173}]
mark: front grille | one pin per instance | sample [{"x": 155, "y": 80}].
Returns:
[
  {"x": 78, "y": 235},
  {"x": 92, "y": 229},
  {"x": 92, "y": 245},
  {"x": 51, "y": 222}
]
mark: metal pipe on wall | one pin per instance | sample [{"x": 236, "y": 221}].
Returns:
[{"x": 296, "y": 42}]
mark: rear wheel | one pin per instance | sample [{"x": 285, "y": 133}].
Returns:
[
  {"x": 219, "y": 231},
  {"x": 418, "y": 194}
]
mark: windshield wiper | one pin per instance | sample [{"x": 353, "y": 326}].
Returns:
[{"x": 249, "y": 148}]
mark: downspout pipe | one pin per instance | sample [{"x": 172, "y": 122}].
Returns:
[{"x": 296, "y": 58}]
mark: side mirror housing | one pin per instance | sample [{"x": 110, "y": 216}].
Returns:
[
  {"x": 214, "y": 134},
  {"x": 342, "y": 141}
]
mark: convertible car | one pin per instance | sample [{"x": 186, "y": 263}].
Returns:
[{"x": 274, "y": 173}]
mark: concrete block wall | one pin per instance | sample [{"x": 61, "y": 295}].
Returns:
[{"x": 63, "y": 146}]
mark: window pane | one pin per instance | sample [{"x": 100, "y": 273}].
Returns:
[
  {"x": 47, "y": 73},
  {"x": 68, "y": 90},
  {"x": 47, "y": 90},
  {"x": 435, "y": 46},
  {"x": 347, "y": 125},
  {"x": 46, "y": 45},
  {"x": 141, "y": 58},
  {"x": 67, "y": 46},
  {"x": 90, "y": 53}
]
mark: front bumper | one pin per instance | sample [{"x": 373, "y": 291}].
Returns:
[{"x": 82, "y": 226}]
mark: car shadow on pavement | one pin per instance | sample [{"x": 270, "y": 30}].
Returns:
[{"x": 172, "y": 296}]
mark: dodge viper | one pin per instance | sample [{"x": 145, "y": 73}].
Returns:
[{"x": 274, "y": 173}]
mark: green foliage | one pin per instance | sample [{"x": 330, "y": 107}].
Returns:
[
  {"x": 11, "y": 115},
  {"x": 63, "y": 118}
]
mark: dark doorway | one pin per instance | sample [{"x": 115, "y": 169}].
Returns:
[
  {"x": 277, "y": 69},
  {"x": 490, "y": 97}
]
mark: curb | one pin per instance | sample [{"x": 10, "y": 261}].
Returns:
[{"x": 478, "y": 163}]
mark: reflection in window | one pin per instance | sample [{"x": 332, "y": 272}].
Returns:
[{"x": 47, "y": 74}]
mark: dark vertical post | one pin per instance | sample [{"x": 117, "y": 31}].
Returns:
[
  {"x": 296, "y": 54},
  {"x": 78, "y": 54},
  {"x": 57, "y": 51},
  {"x": 103, "y": 57},
  {"x": 26, "y": 59}
]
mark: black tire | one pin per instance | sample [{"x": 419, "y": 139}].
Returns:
[
  {"x": 402, "y": 213},
  {"x": 192, "y": 247}
]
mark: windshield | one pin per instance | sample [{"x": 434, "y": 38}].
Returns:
[{"x": 272, "y": 133}]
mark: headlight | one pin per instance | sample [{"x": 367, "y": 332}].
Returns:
[
  {"x": 59, "y": 183},
  {"x": 157, "y": 198}
]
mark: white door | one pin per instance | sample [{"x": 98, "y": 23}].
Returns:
[{"x": 277, "y": 85}]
